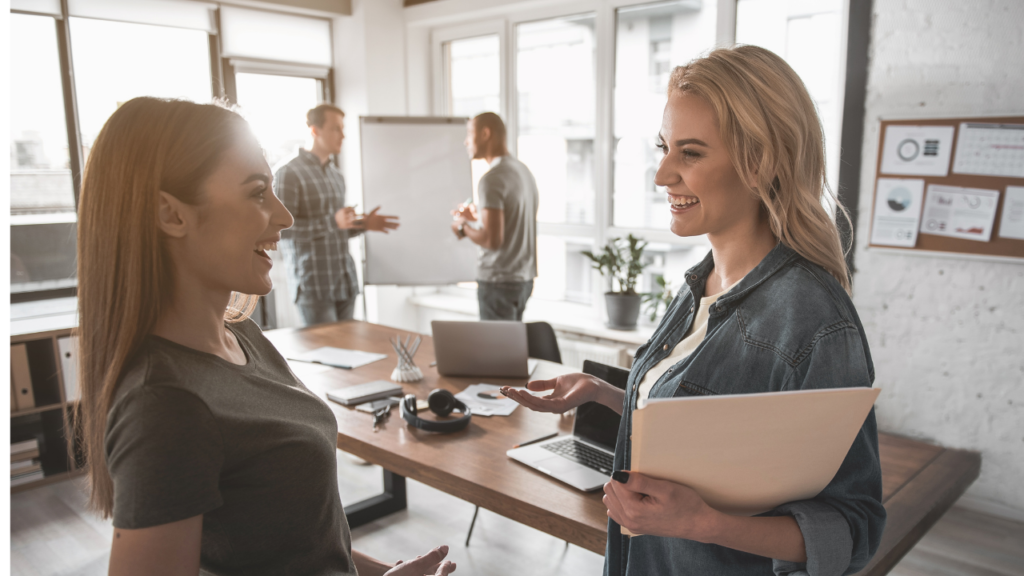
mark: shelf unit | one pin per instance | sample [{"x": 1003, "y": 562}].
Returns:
[{"x": 59, "y": 455}]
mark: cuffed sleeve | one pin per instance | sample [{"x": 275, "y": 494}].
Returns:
[
  {"x": 288, "y": 188},
  {"x": 842, "y": 526}
]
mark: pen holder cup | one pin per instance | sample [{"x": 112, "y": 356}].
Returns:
[{"x": 406, "y": 373}]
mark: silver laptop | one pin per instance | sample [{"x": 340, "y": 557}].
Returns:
[
  {"x": 583, "y": 460},
  {"x": 495, "y": 349}
]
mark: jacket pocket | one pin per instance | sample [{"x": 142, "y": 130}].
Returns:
[{"x": 687, "y": 388}]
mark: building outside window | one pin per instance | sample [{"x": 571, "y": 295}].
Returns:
[
  {"x": 42, "y": 193},
  {"x": 650, "y": 40},
  {"x": 556, "y": 97}
]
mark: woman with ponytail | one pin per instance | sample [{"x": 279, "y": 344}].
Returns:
[
  {"x": 209, "y": 454},
  {"x": 768, "y": 310}
]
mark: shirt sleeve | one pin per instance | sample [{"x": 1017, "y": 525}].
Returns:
[
  {"x": 164, "y": 453},
  {"x": 842, "y": 526},
  {"x": 289, "y": 189},
  {"x": 492, "y": 192}
]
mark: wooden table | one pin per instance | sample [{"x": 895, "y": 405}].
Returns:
[{"x": 920, "y": 481}]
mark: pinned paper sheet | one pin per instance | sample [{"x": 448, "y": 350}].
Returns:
[
  {"x": 897, "y": 212},
  {"x": 990, "y": 150},
  {"x": 967, "y": 213},
  {"x": 917, "y": 150},
  {"x": 1012, "y": 223}
]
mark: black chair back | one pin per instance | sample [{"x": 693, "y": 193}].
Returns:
[
  {"x": 613, "y": 375},
  {"x": 541, "y": 342}
]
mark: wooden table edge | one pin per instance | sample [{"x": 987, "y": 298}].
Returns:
[
  {"x": 568, "y": 529},
  {"x": 917, "y": 509}
]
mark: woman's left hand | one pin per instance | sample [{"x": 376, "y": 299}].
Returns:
[{"x": 645, "y": 505}]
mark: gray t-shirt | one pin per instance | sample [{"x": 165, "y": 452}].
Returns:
[
  {"x": 249, "y": 447},
  {"x": 509, "y": 186}
]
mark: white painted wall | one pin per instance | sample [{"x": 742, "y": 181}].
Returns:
[{"x": 947, "y": 334}]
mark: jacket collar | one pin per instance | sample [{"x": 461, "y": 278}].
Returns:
[{"x": 697, "y": 276}]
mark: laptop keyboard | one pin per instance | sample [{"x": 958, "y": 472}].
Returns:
[{"x": 579, "y": 452}]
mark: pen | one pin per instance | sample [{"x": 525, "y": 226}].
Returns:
[{"x": 535, "y": 440}]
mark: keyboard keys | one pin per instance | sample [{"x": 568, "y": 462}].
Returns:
[{"x": 582, "y": 453}]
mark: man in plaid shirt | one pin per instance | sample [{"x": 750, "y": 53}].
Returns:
[{"x": 321, "y": 272}]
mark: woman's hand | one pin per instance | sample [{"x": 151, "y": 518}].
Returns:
[
  {"x": 570, "y": 391},
  {"x": 644, "y": 505},
  {"x": 429, "y": 563}
]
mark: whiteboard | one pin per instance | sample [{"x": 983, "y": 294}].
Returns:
[{"x": 416, "y": 168}]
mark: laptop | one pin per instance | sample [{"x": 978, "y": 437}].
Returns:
[
  {"x": 584, "y": 459},
  {"x": 489, "y": 348}
]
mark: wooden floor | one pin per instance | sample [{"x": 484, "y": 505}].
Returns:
[{"x": 52, "y": 534}]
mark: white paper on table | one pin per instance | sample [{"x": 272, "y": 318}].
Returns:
[
  {"x": 338, "y": 357},
  {"x": 1011, "y": 225},
  {"x": 990, "y": 150},
  {"x": 966, "y": 213},
  {"x": 917, "y": 150},
  {"x": 897, "y": 211},
  {"x": 501, "y": 406}
]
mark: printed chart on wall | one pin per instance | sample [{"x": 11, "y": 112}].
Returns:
[{"x": 951, "y": 186}]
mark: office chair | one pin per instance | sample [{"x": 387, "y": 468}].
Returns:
[{"x": 541, "y": 342}]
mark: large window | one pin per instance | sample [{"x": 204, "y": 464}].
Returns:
[
  {"x": 474, "y": 82},
  {"x": 809, "y": 36},
  {"x": 275, "y": 107},
  {"x": 556, "y": 97},
  {"x": 650, "y": 40},
  {"x": 42, "y": 194},
  {"x": 162, "y": 62}
]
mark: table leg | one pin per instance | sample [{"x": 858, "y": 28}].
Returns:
[{"x": 391, "y": 501}]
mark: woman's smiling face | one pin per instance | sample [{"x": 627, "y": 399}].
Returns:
[
  {"x": 238, "y": 220},
  {"x": 705, "y": 193}
]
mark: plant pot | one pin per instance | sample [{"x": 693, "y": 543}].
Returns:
[{"x": 623, "y": 310}]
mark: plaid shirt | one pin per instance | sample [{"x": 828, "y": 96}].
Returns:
[{"x": 320, "y": 267}]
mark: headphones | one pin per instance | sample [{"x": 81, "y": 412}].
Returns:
[{"x": 442, "y": 403}]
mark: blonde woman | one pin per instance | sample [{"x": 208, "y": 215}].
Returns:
[
  {"x": 767, "y": 310},
  {"x": 209, "y": 454}
]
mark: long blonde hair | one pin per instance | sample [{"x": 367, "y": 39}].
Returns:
[
  {"x": 125, "y": 276},
  {"x": 769, "y": 123}
]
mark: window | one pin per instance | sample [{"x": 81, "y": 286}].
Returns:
[
  {"x": 809, "y": 36},
  {"x": 276, "y": 107},
  {"x": 42, "y": 193},
  {"x": 474, "y": 82},
  {"x": 162, "y": 62},
  {"x": 556, "y": 100},
  {"x": 650, "y": 40},
  {"x": 563, "y": 272}
]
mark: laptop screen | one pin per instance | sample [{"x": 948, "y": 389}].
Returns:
[{"x": 594, "y": 422}]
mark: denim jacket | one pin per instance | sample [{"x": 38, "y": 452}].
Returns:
[{"x": 788, "y": 325}]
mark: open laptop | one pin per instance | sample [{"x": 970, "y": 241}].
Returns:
[
  {"x": 583, "y": 460},
  {"x": 489, "y": 348}
]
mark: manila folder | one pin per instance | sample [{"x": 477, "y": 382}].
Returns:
[{"x": 749, "y": 453}]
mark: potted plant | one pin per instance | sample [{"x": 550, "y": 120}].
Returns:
[
  {"x": 621, "y": 261},
  {"x": 661, "y": 296}
]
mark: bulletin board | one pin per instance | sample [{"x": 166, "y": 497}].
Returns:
[{"x": 980, "y": 155}]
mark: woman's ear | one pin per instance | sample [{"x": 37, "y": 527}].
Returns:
[{"x": 171, "y": 216}]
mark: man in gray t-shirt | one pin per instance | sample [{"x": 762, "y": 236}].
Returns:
[{"x": 507, "y": 229}]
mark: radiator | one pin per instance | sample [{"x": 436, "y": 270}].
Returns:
[{"x": 574, "y": 352}]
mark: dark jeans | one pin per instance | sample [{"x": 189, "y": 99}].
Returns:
[
  {"x": 503, "y": 300},
  {"x": 320, "y": 312}
]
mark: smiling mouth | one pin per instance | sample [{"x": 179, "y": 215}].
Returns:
[
  {"x": 678, "y": 203},
  {"x": 263, "y": 247}
]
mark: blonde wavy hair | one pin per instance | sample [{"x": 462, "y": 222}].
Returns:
[
  {"x": 125, "y": 276},
  {"x": 771, "y": 128}
]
